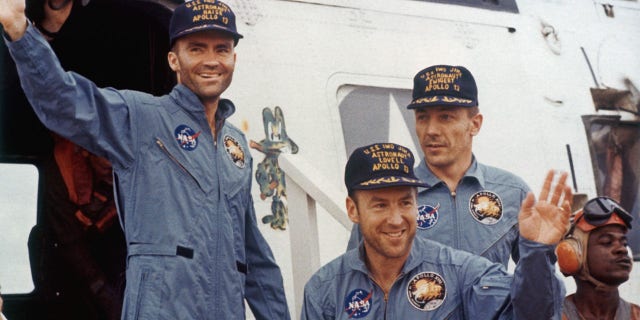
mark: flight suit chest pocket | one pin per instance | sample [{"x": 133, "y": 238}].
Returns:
[{"x": 181, "y": 167}]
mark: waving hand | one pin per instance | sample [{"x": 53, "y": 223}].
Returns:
[{"x": 547, "y": 220}]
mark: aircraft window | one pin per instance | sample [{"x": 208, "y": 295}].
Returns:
[
  {"x": 18, "y": 211},
  {"x": 498, "y": 5},
  {"x": 376, "y": 111}
]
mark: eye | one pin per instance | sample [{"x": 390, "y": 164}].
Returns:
[
  {"x": 223, "y": 50},
  {"x": 379, "y": 205},
  {"x": 195, "y": 49}
]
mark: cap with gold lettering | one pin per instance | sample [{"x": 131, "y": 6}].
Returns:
[
  {"x": 198, "y": 15},
  {"x": 444, "y": 85},
  {"x": 380, "y": 165}
]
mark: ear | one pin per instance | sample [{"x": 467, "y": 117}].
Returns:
[
  {"x": 476, "y": 124},
  {"x": 352, "y": 210},
  {"x": 174, "y": 64}
]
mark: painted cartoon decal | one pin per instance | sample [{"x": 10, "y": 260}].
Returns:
[
  {"x": 426, "y": 291},
  {"x": 357, "y": 304},
  {"x": 486, "y": 207},
  {"x": 427, "y": 216},
  {"x": 187, "y": 138},
  {"x": 234, "y": 151},
  {"x": 269, "y": 176}
]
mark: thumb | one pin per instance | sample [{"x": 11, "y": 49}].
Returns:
[{"x": 527, "y": 203}]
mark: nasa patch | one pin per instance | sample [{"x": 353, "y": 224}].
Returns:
[
  {"x": 187, "y": 138},
  {"x": 427, "y": 216},
  {"x": 357, "y": 304},
  {"x": 486, "y": 207},
  {"x": 426, "y": 291},
  {"x": 234, "y": 151}
]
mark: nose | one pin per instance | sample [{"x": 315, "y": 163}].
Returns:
[
  {"x": 432, "y": 128},
  {"x": 395, "y": 216},
  {"x": 621, "y": 249},
  {"x": 212, "y": 58}
]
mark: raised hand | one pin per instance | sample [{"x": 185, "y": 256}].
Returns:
[
  {"x": 13, "y": 18},
  {"x": 547, "y": 220}
]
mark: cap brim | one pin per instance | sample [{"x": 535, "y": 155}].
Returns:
[
  {"x": 385, "y": 182},
  {"x": 207, "y": 27},
  {"x": 441, "y": 101}
]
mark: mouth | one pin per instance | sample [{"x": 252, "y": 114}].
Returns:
[
  {"x": 624, "y": 262},
  {"x": 210, "y": 75},
  {"x": 395, "y": 234},
  {"x": 434, "y": 145}
]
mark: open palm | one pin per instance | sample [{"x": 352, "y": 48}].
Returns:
[{"x": 547, "y": 220}]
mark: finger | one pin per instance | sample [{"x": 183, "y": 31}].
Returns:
[
  {"x": 544, "y": 193},
  {"x": 527, "y": 203},
  {"x": 566, "y": 215},
  {"x": 559, "y": 189}
]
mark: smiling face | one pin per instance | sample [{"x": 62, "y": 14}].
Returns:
[
  {"x": 608, "y": 256},
  {"x": 446, "y": 134},
  {"x": 204, "y": 62},
  {"x": 387, "y": 219}
]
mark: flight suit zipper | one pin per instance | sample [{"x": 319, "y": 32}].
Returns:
[
  {"x": 175, "y": 160},
  {"x": 386, "y": 294},
  {"x": 456, "y": 236}
]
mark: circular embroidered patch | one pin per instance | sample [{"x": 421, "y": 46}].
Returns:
[
  {"x": 426, "y": 291},
  {"x": 234, "y": 151},
  {"x": 187, "y": 138},
  {"x": 427, "y": 216},
  {"x": 486, "y": 207},
  {"x": 357, "y": 303}
]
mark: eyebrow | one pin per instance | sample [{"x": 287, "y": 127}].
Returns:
[{"x": 614, "y": 235}]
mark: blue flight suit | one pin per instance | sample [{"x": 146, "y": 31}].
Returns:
[
  {"x": 438, "y": 282},
  {"x": 481, "y": 217},
  {"x": 184, "y": 199}
]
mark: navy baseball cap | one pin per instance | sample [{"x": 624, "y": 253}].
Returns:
[
  {"x": 380, "y": 165},
  {"x": 198, "y": 15},
  {"x": 444, "y": 85}
]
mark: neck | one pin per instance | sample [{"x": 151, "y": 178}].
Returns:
[
  {"x": 453, "y": 173},
  {"x": 595, "y": 304},
  {"x": 385, "y": 271},
  {"x": 210, "y": 109}
]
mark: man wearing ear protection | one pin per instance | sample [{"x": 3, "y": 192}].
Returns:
[{"x": 595, "y": 253}]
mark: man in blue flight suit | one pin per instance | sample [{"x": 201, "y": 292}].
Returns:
[
  {"x": 182, "y": 172},
  {"x": 395, "y": 275},
  {"x": 468, "y": 205}
]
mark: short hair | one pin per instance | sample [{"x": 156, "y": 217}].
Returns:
[{"x": 472, "y": 111}]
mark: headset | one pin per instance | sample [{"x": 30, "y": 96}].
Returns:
[
  {"x": 570, "y": 252},
  {"x": 597, "y": 212}
]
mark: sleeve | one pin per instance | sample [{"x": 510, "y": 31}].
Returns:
[
  {"x": 534, "y": 292},
  {"x": 485, "y": 289},
  {"x": 264, "y": 286},
  {"x": 537, "y": 292},
  {"x": 71, "y": 105}
]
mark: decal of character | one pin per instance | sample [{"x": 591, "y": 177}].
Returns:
[
  {"x": 426, "y": 291},
  {"x": 486, "y": 207},
  {"x": 234, "y": 151},
  {"x": 269, "y": 175}
]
